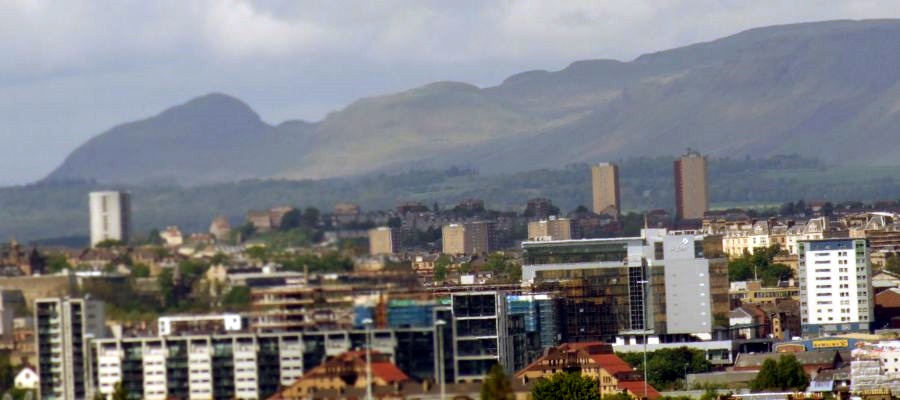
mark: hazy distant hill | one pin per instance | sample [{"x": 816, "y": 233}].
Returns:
[{"x": 829, "y": 90}]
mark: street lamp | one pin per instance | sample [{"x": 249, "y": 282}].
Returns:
[
  {"x": 644, "y": 284},
  {"x": 368, "y": 324},
  {"x": 439, "y": 329}
]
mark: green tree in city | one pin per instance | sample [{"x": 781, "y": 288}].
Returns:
[
  {"x": 569, "y": 385},
  {"x": 292, "y": 219},
  {"x": 119, "y": 392},
  {"x": 441, "y": 266},
  {"x": 497, "y": 385},
  {"x": 759, "y": 264},
  {"x": 57, "y": 262},
  {"x": 140, "y": 270},
  {"x": 784, "y": 374},
  {"x": 667, "y": 367}
]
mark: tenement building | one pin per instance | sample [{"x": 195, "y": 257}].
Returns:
[{"x": 64, "y": 328}]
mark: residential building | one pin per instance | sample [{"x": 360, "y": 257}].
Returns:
[
  {"x": 110, "y": 216},
  {"x": 595, "y": 360},
  {"x": 245, "y": 366},
  {"x": 605, "y": 184},
  {"x": 64, "y": 328},
  {"x": 261, "y": 220},
  {"x": 469, "y": 238},
  {"x": 540, "y": 208},
  {"x": 220, "y": 228},
  {"x": 347, "y": 370},
  {"x": 753, "y": 292},
  {"x": 835, "y": 286},
  {"x": 691, "y": 186},
  {"x": 383, "y": 240},
  {"x": 658, "y": 284},
  {"x": 172, "y": 236},
  {"x": 550, "y": 229},
  {"x": 485, "y": 334}
]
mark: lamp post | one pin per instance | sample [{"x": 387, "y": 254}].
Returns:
[
  {"x": 439, "y": 329},
  {"x": 644, "y": 283},
  {"x": 368, "y": 324}
]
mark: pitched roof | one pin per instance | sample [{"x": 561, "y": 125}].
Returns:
[{"x": 637, "y": 387}]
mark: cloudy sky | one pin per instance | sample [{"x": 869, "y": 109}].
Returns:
[{"x": 72, "y": 69}]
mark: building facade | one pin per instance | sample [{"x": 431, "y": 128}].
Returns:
[
  {"x": 244, "y": 366},
  {"x": 658, "y": 284},
  {"x": 484, "y": 334},
  {"x": 383, "y": 240},
  {"x": 691, "y": 186},
  {"x": 605, "y": 184},
  {"x": 110, "y": 216},
  {"x": 64, "y": 328},
  {"x": 550, "y": 229},
  {"x": 469, "y": 238},
  {"x": 835, "y": 286}
]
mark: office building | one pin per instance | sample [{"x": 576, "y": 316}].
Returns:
[
  {"x": 383, "y": 240},
  {"x": 691, "y": 186},
  {"x": 550, "y": 229},
  {"x": 469, "y": 238},
  {"x": 835, "y": 286},
  {"x": 245, "y": 366},
  {"x": 540, "y": 312},
  {"x": 64, "y": 328},
  {"x": 486, "y": 334},
  {"x": 659, "y": 284},
  {"x": 605, "y": 182},
  {"x": 110, "y": 216}
]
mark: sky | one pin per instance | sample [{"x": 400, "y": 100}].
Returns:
[{"x": 72, "y": 69}]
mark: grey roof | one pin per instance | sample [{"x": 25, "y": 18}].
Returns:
[{"x": 818, "y": 357}]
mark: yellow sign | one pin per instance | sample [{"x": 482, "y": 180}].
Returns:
[{"x": 828, "y": 344}]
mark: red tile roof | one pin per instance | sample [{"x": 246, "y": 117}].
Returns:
[
  {"x": 611, "y": 363},
  {"x": 637, "y": 387},
  {"x": 389, "y": 372}
]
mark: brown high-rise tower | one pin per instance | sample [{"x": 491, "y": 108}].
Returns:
[
  {"x": 605, "y": 182},
  {"x": 691, "y": 186}
]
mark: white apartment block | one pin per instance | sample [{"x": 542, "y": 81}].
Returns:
[
  {"x": 232, "y": 365},
  {"x": 110, "y": 216},
  {"x": 63, "y": 330},
  {"x": 835, "y": 286}
]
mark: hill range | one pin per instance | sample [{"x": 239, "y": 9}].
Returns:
[{"x": 828, "y": 90}]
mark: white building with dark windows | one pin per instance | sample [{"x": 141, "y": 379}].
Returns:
[
  {"x": 110, "y": 216},
  {"x": 835, "y": 286},
  {"x": 63, "y": 330}
]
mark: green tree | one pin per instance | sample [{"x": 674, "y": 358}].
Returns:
[
  {"x": 105, "y": 244},
  {"x": 260, "y": 253},
  {"x": 140, "y": 270},
  {"x": 441, "y": 265},
  {"x": 237, "y": 299},
  {"x": 119, "y": 392},
  {"x": 311, "y": 217},
  {"x": 667, "y": 367},
  {"x": 57, "y": 262},
  {"x": 617, "y": 396},
  {"x": 568, "y": 385},
  {"x": 786, "y": 373},
  {"x": 7, "y": 371},
  {"x": 292, "y": 219},
  {"x": 497, "y": 385}
]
